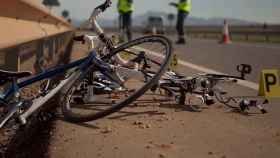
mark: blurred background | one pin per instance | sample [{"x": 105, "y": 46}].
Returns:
[{"x": 204, "y": 12}]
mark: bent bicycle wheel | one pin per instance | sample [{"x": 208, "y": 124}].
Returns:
[
  {"x": 225, "y": 93},
  {"x": 144, "y": 60}
]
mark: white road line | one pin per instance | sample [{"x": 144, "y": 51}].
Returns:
[{"x": 243, "y": 83}]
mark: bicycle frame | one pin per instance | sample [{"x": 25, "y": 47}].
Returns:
[
  {"x": 11, "y": 97},
  {"x": 83, "y": 65},
  {"x": 203, "y": 86}
]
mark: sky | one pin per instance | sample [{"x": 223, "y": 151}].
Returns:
[{"x": 252, "y": 10}]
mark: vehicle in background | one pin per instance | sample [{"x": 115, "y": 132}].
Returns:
[{"x": 154, "y": 25}]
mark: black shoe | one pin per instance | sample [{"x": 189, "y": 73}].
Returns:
[{"x": 181, "y": 41}]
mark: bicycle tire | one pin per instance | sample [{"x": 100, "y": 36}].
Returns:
[{"x": 78, "y": 118}]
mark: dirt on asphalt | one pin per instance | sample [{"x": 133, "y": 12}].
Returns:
[
  {"x": 168, "y": 130},
  {"x": 163, "y": 129}
]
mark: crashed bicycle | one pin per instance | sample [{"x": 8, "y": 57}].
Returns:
[
  {"x": 208, "y": 89},
  {"x": 80, "y": 98}
]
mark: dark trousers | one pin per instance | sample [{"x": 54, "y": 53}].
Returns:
[
  {"x": 125, "y": 24},
  {"x": 180, "y": 23}
]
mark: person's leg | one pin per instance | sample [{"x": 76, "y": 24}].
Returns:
[
  {"x": 122, "y": 27},
  {"x": 183, "y": 25},
  {"x": 129, "y": 34},
  {"x": 180, "y": 27},
  {"x": 120, "y": 22},
  {"x": 127, "y": 25}
]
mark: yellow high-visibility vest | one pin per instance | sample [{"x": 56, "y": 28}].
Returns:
[
  {"x": 185, "y": 6},
  {"x": 124, "y": 6}
]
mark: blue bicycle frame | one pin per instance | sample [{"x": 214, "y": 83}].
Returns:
[{"x": 82, "y": 64}]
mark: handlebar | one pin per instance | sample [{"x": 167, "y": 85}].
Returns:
[
  {"x": 104, "y": 6},
  {"x": 96, "y": 12},
  {"x": 95, "y": 26},
  {"x": 100, "y": 33}
]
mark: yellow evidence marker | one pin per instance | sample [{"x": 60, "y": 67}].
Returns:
[
  {"x": 269, "y": 83},
  {"x": 173, "y": 63}
]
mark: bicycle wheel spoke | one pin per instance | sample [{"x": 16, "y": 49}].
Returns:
[{"x": 101, "y": 96}]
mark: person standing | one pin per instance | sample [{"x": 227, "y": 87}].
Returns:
[
  {"x": 184, "y": 8},
  {"x": 125, "y": 9}
]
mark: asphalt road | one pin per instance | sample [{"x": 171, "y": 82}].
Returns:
[
  {"x": 225, "y": 58},
  {"x": 165, "y": 130}
]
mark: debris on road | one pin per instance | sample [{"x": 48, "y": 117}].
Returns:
[
  {"x": 165, "y": 146},
  {"x": 210, "y": 153},
  {"x": 161, "y": 156},
  {"x": 148, "y": 146},
  {"x": 142, "y": 125},
  {"x": 107, "y": 130}
]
